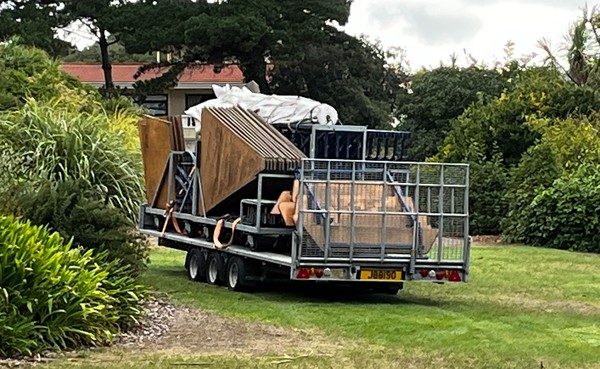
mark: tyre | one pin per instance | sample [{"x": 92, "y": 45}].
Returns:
[
  {"x": 196, "y": 265},
  {"x": 237, "y": 271},
  {"x": 215, "y": 269}
]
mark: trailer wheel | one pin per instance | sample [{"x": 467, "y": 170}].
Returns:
[
  {"x": 215, "y": 270},
  {"x": 196, "y": 267},
  {"x": 237, "y": 271}
]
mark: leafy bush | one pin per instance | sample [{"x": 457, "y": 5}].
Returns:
[
  {"x": 565, "y": 146},
  {"x": 48, "y": 142},
  {"x": 68, "y": 158},
  {"x": 486, "y": 196},
  {"x": 53, "y": 296},
  {"x": 78, "y": 213},
  {"x": 29, "y": 72},
  {"x": 565, "y": 216}
]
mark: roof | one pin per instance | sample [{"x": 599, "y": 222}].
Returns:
[{"x": 123, "y": 74}]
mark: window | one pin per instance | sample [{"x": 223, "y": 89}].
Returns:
[
  {"x": 156, "y": 105},
  {"x": 195, "y": 99}
]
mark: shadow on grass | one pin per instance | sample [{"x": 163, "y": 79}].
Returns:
[
  {"x": 306, "y": 292},
  {"x": 302, "y": 291}
]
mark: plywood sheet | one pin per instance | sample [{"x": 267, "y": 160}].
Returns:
[
  {"x": 155, "y": 141},
  {"x": 236, "y": 145}
]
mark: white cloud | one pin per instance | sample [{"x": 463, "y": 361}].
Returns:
[{"x": 432, "y": 30}]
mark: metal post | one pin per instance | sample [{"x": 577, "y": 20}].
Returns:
[
  {"x": 352, "y": 211},
  {"x": 170, "y": 178},
  {"x": 258, "y": 202},
  {"x": 300, "y": 204},
  {"x": 441, "y": 211},
  {"x": 384, "y": 215},
  {"x": 327, "y": 210},
  {"x": 467, "y": 244},
  {"x": 195, "y": 192}
]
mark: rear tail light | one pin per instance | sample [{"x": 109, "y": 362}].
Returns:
[
  {"x": 439, "y": 275},
  {"x": 303, "y": 273},
  {"x": 454, "y": 276},
  {"x": 424, "y": 273},
  {"x": 319, "y": 273}
]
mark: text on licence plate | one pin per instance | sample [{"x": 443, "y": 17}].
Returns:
[{"x": 385, "y": 275}]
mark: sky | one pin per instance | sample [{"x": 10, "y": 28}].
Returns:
[{"x": 429, "y": 31}]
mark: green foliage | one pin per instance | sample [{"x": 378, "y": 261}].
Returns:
[
  {"x": 70, "y": 208},
  {"x": 116, "y": 52},
  {"x": 540, "y": 92},
  {"x": 348, "y": 73},
  {"x": 509, "y": 126},
  {"x": 68, "y": 158},
  {"x": 565, "y": 147},
  {"x": 565, "y": 215},
  {"x": 53, "y": 296},
  {"x": 28, "y": 72},
  {"x": 488, "y": 184},
  {"x": 51, "y": 142},
  {"x": 239, "y": 31},
  {"x": 581, "y": 50},
  {"x": 34, "y": 23},
  {"x": 432, "y": 98}
]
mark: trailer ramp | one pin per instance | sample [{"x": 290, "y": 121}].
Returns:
[{"x": 383, "y": 211}]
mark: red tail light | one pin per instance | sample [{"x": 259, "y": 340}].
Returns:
[
  {"x": 319, "y": 273},
  {"x": 303, "y": 273},
  {"x": 424, "y": 273},
  {"x": 454, "y": 276},
  {"x": 439, "y": 275}
]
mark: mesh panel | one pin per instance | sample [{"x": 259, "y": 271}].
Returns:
[{"x": 377, "y": 209}]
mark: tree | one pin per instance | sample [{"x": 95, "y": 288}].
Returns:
[
  {"x": 501, "y": 132},
  {"x": 35, "y": 23},
  {"x": 116, "y": 53},
  {"x": 582, "y": 50},
  {"x": 432, "y": 98},
  {"x": 97, "y": 16},
  {"x": 250, "y": 34},
  {"x": 348, "y": 73}
]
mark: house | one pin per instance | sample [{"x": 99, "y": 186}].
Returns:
[{"x": 194, "y": 85}]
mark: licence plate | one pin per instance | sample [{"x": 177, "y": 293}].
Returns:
[{"x": 381, "y": 275}]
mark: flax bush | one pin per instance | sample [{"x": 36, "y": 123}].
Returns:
[
  {"x": 54, "y": 296},
  {"x": 49, "y": 142}
]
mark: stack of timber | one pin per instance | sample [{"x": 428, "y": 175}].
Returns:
[
  {"x": 236, "y": 146},
  {"x": 158, "y": 138}
]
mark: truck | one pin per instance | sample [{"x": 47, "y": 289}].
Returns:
[{"x": 251, "y": 201}]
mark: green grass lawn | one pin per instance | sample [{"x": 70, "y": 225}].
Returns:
[{"x": 522, "y": 306}]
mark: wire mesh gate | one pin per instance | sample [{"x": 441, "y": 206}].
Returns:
[{"x": 382, "y": 211}]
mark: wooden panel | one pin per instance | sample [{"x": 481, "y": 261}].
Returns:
[
  {"x": 227, "y": 162},
  {"x": 177, "y": 140},
  {"x": 155, "y": 141}
]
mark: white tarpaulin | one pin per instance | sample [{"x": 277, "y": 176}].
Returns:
[{"x": 272, "y": 108}]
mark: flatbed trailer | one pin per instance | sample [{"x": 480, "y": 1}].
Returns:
[{"x": 363, "y": 215}]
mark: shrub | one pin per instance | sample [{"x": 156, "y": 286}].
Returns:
[
  {"x": 486, "y": 196},
  {"x": 29, "y": 72},
  {"x": 76, "y": 212},
  {"x": 68, "y": 158},
  {"x": 565, "y": 216},
  {"x": 565, "y": 146},
  {"x": 49, "y": 142},
  {"x": 53, "y": 296}
]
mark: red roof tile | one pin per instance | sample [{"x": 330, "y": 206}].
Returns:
[{"x": 124, "y": 73}]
